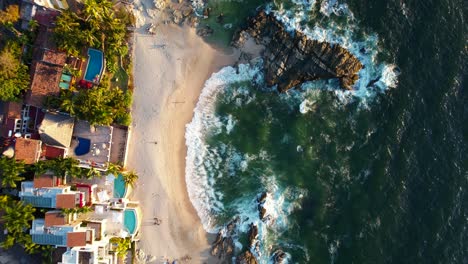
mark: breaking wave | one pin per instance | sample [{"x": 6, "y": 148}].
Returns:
[{"x": 210, "y": 162}]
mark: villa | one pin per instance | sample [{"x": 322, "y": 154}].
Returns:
[
  {"x": 60, "y": 196},
  {"x": 81, "y": 238}
]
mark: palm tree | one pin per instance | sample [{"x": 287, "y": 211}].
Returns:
[
  {"x": 68, "y": 106},
  {"x": 62, "y": 166},
  {"x": 17, "y": 218},
  {"x": 10, "y": 171},
  {"x": 130, "y": 178},
  {"x": 113, "y": 168},
  {"x": 92, "y": 173},
  {"x": 122, "y": 245},
  {"x": 40, "y": 167}
]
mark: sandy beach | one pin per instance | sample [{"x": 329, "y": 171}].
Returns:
[{"x": 170, "y": 69}]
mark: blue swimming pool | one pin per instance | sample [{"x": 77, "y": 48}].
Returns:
[
  {"x": 83, "y": 147},
  {"x": 95, "y": 65},
  {"x": 119, "y": 187},
  {"x": 130, "y": 220}
]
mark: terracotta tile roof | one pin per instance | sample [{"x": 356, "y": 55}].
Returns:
[
  {"x": 54, "y": 57},
  {"x": 65, "y": 201},
  {"x": 45, "y": 181},
  {"x": 45, "y": 80},
  {"x": 28, "y": 150},
  {"x": 76, "y": 239},
  {"x": 57, "y": 130},
  {"x": 51, "y": 152},
  {"x": 54, "y": 218}
]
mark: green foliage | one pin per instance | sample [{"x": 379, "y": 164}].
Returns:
[
  {"x": 17, "y": 219},
  {"x": 99, "y": 25},
  {"x": 77, "y": 210},
  {"x": 10, "y": 15},
  {"x": 99, "y": 106},
  {"x": 114, "y": 169},
  {"x": 130, "y": 177},
  {"x": 122, "y": 245},
  {"x": 10, "y": 171},
  {"x": 14, "y": 77}
]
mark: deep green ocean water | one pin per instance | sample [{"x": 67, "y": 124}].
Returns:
[{"x": 374, "y": 178}]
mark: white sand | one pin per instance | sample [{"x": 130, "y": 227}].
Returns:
[{"x": 170, "y": 70}]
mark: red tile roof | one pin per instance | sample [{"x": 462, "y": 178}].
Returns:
[
  {"x": 45, "y": 181},
  {"x": 45, "y": 80},
  {"x": 51, "y": 152},
  {"x": 54, "y": 57},
  {"x": 66, "y": 201},
  {"x": 54, "y": 218},
  {"x": 76, "y": 239},
  {"x": 27, "y": 150}
]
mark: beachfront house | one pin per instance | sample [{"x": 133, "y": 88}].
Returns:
[
  {"x": 77, "y": 241},
  {"x": 48, "y": 193}
]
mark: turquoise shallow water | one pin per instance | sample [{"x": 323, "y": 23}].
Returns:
[{"x": 375, "y": 176}]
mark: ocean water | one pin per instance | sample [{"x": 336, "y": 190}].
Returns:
[{"x": 374, "y": 175}]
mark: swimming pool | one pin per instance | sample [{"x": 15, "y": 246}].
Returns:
[
  {"x": 95, "y": 65},
  {"x": 130, "y": 220},
  {"x": 83, "y": 147},
  {"x": 119, "y": 187}
]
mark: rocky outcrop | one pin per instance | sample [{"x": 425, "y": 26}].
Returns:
[
  {"x": 253, "y": 235},
  {"x": 223, "y": 246},
  {"x": 261, "y": 206},
  {"x": 291, "y": 59},
  {"x": 246, "y": 258},
  {"x": 279, "y": 257},
  {"x": 254, "y": 244}
]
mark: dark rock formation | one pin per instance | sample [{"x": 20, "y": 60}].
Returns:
[
  {"x": 261, "y": 208},
  {"x": 290, "y": 60},
  {"x": 279, "y": 256},
  {"x": 205, "y": 31},
  {"x": 246, "y": 258},
  {"x": 223, "y": 246},
  {"x": 253, "y": 234}
]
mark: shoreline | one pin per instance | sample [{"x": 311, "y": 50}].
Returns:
[{"x": 170, "y": 69}]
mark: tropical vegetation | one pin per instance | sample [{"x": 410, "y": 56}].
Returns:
[
  {"x": 77, "y": 210},
  {"x": 14, "y": 77},
  {"x": 122, "y": 245},
  {"x": 99, "y": 106},
  {"x": 130, "y": 178},
  {"x": 11, "y": 171},
  {"x": 98, "y": 25},
  {"x": 16, "y": 220}
]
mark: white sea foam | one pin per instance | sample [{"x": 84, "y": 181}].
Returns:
[
  {"x": 206, "y": 165},
  {"x": 199, "y": 180},
  {"x": 383, "y": 75}
]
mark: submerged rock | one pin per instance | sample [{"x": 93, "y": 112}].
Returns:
[
  {"x": 223, "y": 247},
  {"x": 253, "y": 234},
  {"x": 291, "y": 59},
  {"x": 279, "y": 257},
  {"x": 262, "y": 211},
  {"x": 246, "y": 258}
]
